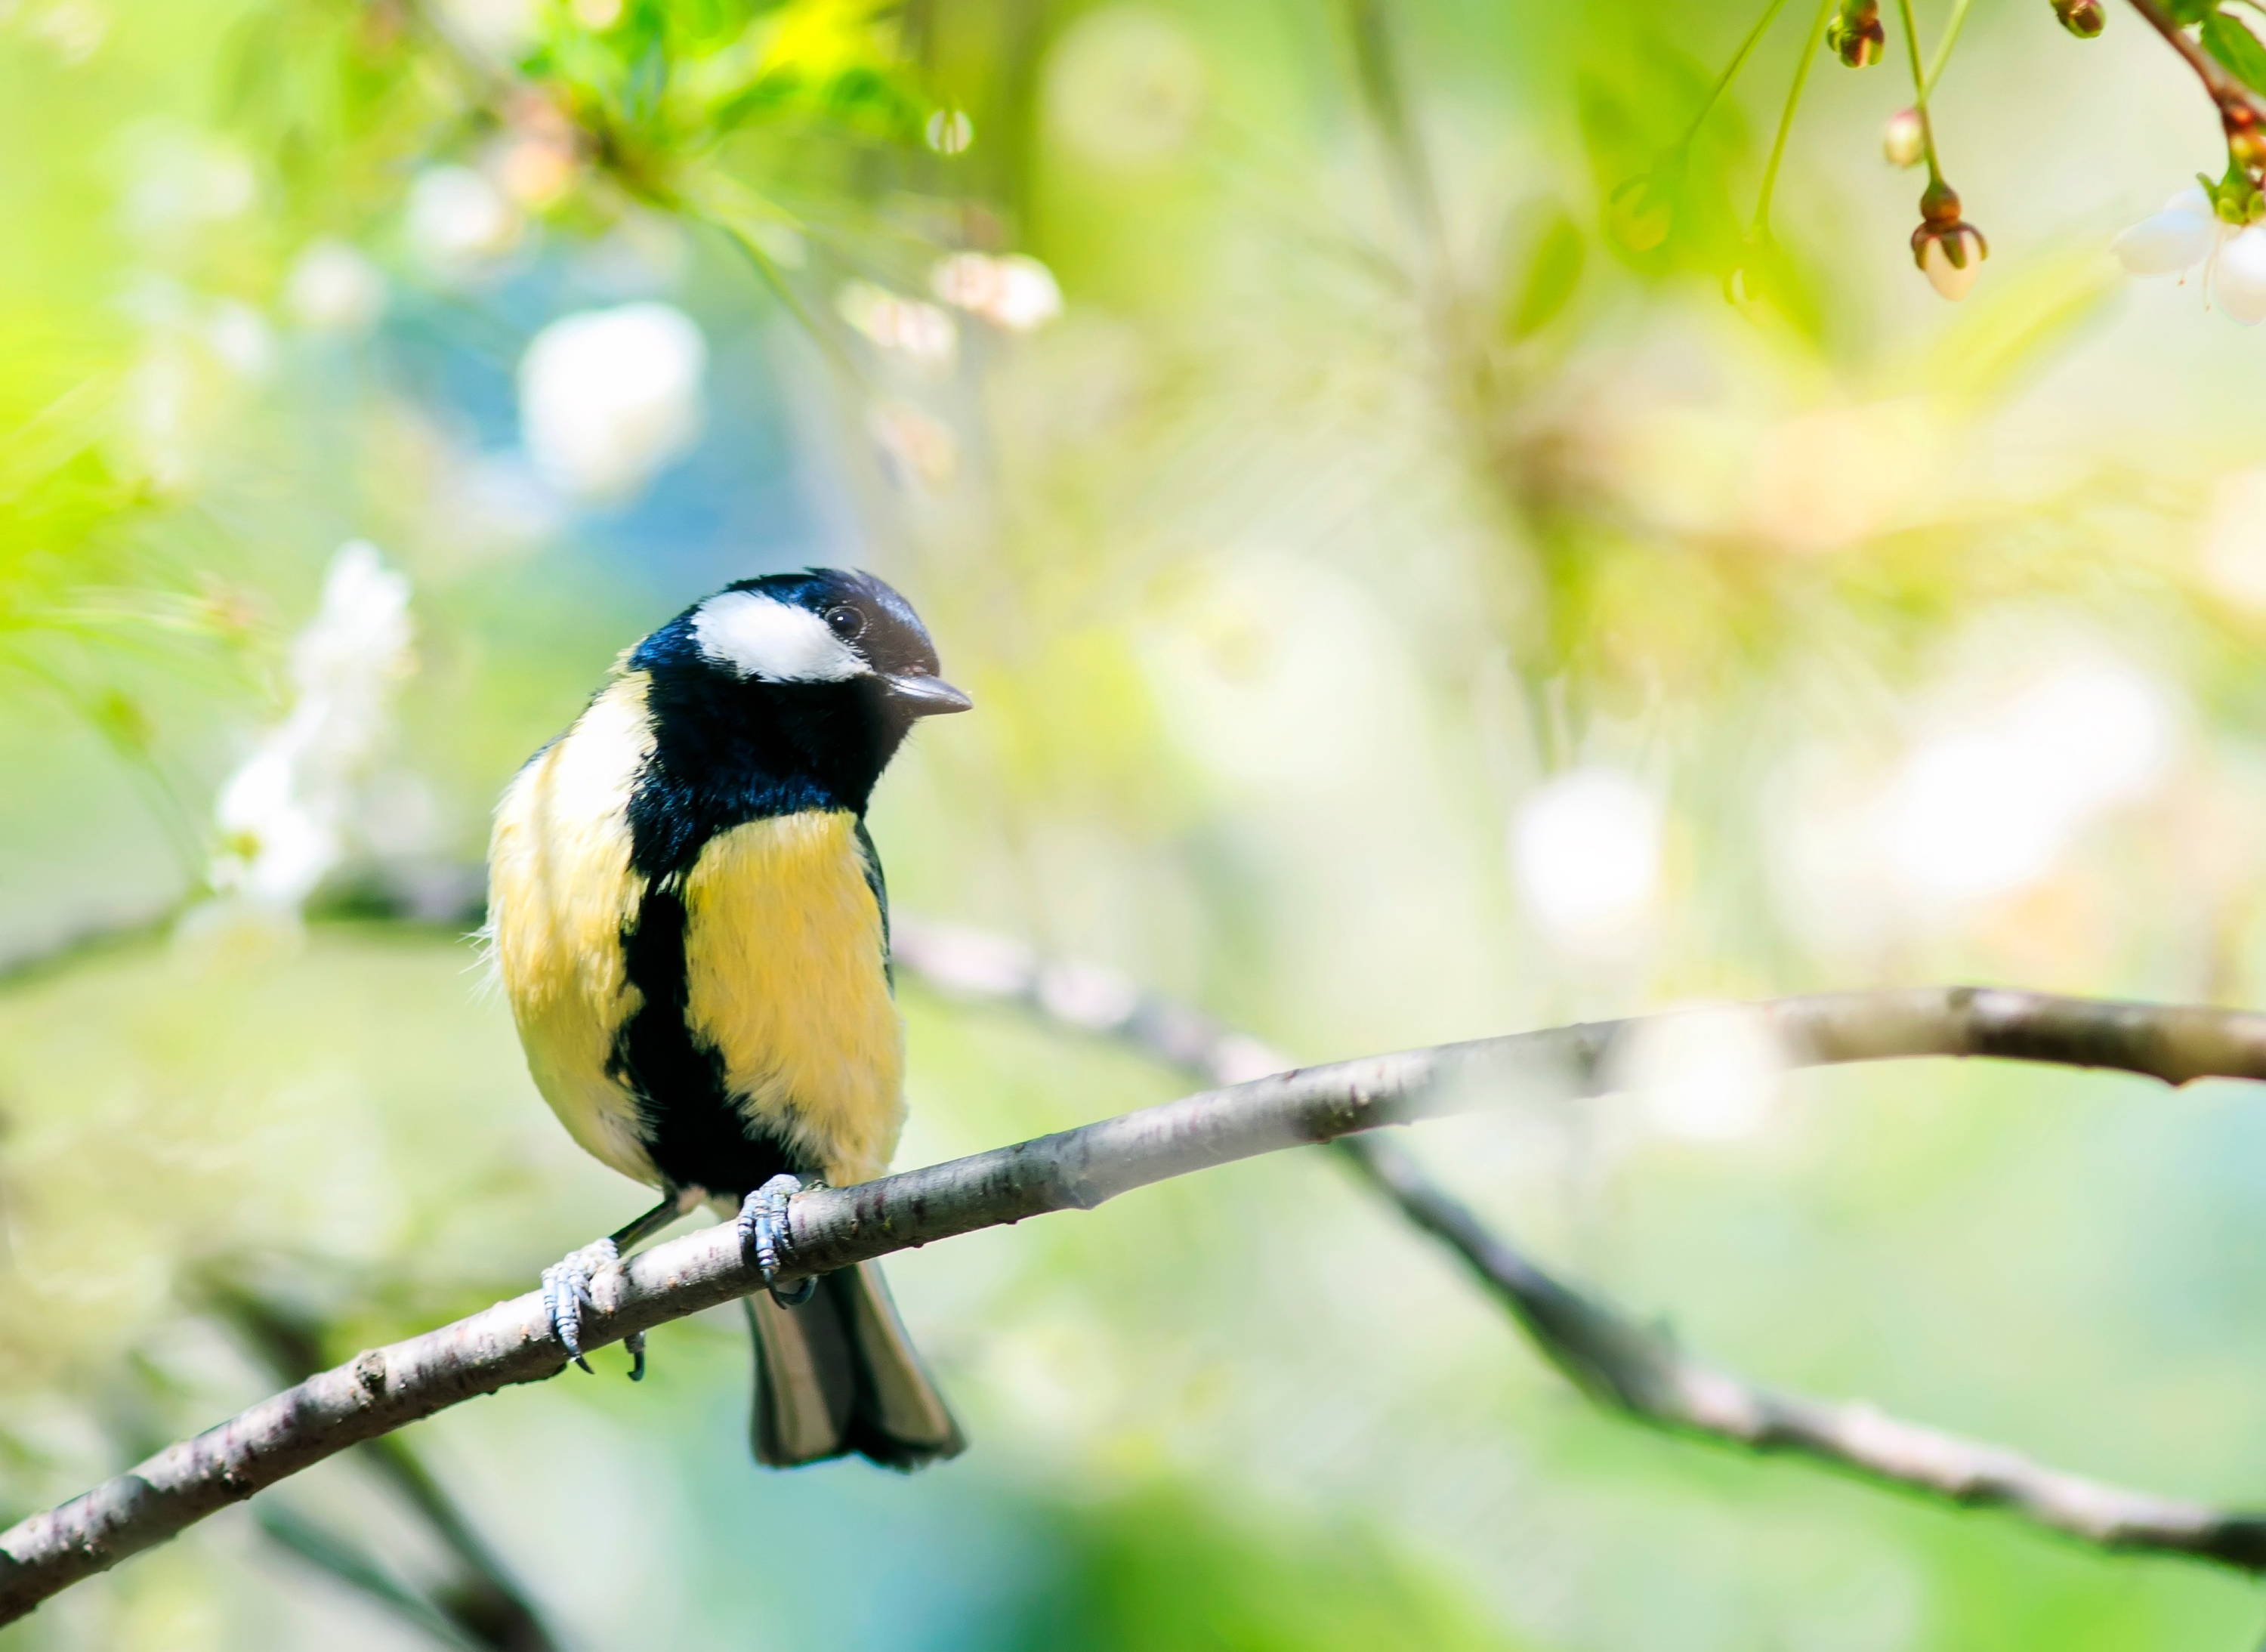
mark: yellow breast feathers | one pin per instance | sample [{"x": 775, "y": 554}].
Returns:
[
  {"x": 559, "y": 889},
  {"x": 783, "y": 955}
]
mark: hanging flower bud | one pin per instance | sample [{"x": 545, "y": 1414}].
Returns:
[
  {"x": 1948, "y": 250},
  {"x": 1856, "y": 35},
  {"x": 2245, "y": 143},
  {"x": 1902, "y": 139},
  {"x": 2084, "y": 18}
]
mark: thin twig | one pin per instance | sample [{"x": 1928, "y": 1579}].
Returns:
[
  {"x": 1920, "y": 93},
  {"x": 1731, "y": 71},
  {"x": 1638, "y": 1371},
  {"x": 387, "y": 1388},
  {"x": 485, "y": 1605},
  {"x": 1809, "y": 49},
  {"x": 1942, "y": 57},
  {"x": 1605, "y": 1351}
]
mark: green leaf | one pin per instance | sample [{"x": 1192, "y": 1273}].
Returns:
[
  {"x": 2237, "y": 48},
  {"x": 2188, "y": 12},
  {"x": 1538, "y": 294},
  {"x": 2017, "y": 319}
]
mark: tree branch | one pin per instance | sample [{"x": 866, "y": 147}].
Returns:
[
  {"x": 2239, "y": 109},
  {"x": 484, "y": 1605},
  {"x": 1615, "y": 1359},
  {"x": 387, "y": 1388},
  {"x": 1633, "y": 1369}
]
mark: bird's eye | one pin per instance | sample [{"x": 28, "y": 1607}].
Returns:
[{"x": 845, "y": 623}]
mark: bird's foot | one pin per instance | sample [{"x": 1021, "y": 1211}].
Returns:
[
  {"x": 566, "y": 1292},
  {"x": 765, "y": 1237}
]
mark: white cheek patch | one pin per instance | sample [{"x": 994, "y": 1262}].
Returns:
[{"x": 761, "y": 637}]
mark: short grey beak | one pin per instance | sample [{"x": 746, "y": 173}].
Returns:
[{"x": 926, "y": 696}]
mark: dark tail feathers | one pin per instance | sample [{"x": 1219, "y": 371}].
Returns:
[{"x": 838, "y": 1374}]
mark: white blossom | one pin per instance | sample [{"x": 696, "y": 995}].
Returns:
[
  {"x": 283, "y": 815},
  {"x": 333, "y": 289},
  {"x": 238, "y": 337},
  {"x": 1015, "y": 293},
  {"x": 2238, "y": 283},
  {"x": 910, "y": 327},
  {"x": 501, "y": 28},
  {"x": 2188, "y": 233},
  {"x": 1999, "y": 783},
  {"x": 180, "y": 181},
  {"x": 607, "y": 397},
  {"x": 1586, "y": 852},
  {"x": 2171, "y": 242},
  {"x": 1126, "y": 87},
  {"x": 460, "y": 224}
]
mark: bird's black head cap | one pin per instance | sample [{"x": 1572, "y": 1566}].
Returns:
[{"x": 787, "y": 692}]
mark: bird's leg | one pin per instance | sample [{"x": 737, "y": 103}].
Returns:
[
  {"x": 566, "y": 1282},
  {"x": 766, "y": 1236}
]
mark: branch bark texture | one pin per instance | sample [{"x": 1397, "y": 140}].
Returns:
[
  {"x": 387, "y": 1388},
  {"x": 2239, "y": 110}
]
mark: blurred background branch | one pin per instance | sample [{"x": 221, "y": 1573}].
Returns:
[{"x": 1623, "y": 1364}]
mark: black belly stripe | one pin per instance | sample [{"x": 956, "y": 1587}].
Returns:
[
  {"x": 694, "y": 1134},
  {"x": 720, "y": 759}
]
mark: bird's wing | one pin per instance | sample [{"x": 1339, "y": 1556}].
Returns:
[{"x": 870, "y": 858}]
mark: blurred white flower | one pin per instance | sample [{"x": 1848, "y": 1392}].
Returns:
[
  {"x": 912, "y": 328},
  {"x": 1987, "y": 807},
  {"x": 238, "y": 337},
  {"x": 459, "y": 223},
  {"x": 505, "y": 28},
  {"x": 1984, "y": 804},
  {"x": 283, "y": 813},
  {"x": 75, "y": 28},
  {"x": 1125, "y": 86},
  {"x": 1709, "y": 1073},
  {"x": 2238, "y": 281},
  {"x": 2188, "y": 233},
  {"x": 179, "y": 180},
  {"x": 608, "y": 398},
  {"x": 2175, "y": 240},
  {"x": 1015, "y": 293},
  {"x": 1586, "y": 851},
  {"x": 333, "y": 289}
]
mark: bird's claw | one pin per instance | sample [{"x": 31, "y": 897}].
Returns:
[
  {"x": 566, "y": 1292},
  {"x": 766, "y": 1235}
]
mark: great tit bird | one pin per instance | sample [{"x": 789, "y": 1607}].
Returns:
[{"x": 690, "y": 925}]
